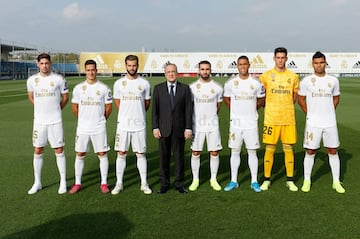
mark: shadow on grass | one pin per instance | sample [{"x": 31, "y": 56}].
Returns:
[{"x": 88, "y": 225}]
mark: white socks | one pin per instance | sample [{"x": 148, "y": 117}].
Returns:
[
  {"x": 142, "y": 168},
  {"x": 104, "y": 168},
  {"x": 253, "y": 164},
  {"x": 120, "y": 168},
  {"x": 61, "y": 164},
  {"x": 214, "y": 166},
  {"x": 334, "y": 162},
  {"x": 308, "y": 165},
  {"x": 79, "y": 167},
  {"x": 38, "y": 163},
  {"x": 195, "y": 166},
  {"x": 234, "y": 164}
]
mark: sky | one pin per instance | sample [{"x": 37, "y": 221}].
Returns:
[{"x": 182, "y": 25}]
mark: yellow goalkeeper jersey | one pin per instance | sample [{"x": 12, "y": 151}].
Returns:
[{"x": 280, "y": 89}]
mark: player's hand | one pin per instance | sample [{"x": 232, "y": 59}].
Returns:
[
  {"x": 156, "y": 133},
  {"x": 187, "y": 134}
]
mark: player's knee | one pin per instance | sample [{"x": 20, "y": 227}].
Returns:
[
  {"x": 332, "y": 151},
  {"x": 38, "y": 150},
  {"x": 287, "y": 147},
  {"x": 270, "y": 147},
  {"x": 122, "y": 153},
  {"x": 140, "y": 155},
  {"x": 235, "y": 151},
  {"x": 214, "y": 153},
  {"x": 101, "y": 154},
  {"x": 81, "y": 154},
  {"x": 251, "y": 151},
  {"x": 59, "y": 150},
  {"x": 195, "y": 153}
]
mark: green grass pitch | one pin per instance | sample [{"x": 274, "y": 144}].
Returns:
[{"x": 241, "y": 213}]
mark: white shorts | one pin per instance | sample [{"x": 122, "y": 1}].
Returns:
[
  {"x": 99, "y": 143},
  {"x": 53, "y": 133},
  {"x": 213, "y": 140},
  {"x": 238, "y": 136},
  {"x": 136, "y": 138},
  {"x": 313, "y": 136}
]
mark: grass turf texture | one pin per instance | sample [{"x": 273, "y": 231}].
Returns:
[{"x": 241, "y": 213}]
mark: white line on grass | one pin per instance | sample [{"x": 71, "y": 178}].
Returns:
[
  {"x": 5, "y": 90},
  {"x": 6, "y": 96}
]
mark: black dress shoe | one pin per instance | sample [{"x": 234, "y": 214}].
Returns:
[
  {"x": 182, "y": 190},
  {"x": 162, "y": 190}
]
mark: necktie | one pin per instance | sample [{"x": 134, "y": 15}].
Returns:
[{"x": 172, "y": 96}]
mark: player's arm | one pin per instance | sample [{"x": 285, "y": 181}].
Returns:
[
  {"x": 227, "y": 101},
  {"x": 147, "y": 104},
  {"x": 117, "y": 103},
  {"x": 260, "y": 102},
  {"x": 295, "y": 96},
  {"x": 302, "y": 103},
  {"x": 108, "y": 110},
  {"x": 64, "y": 100},
  {"x": 218, "y": 106},
  {"x": 31, "y": 97},
  {"x": 336, "y": 100},
  {"x": 75, "y": 109}
]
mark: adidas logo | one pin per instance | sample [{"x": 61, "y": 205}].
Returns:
[
  {"x": 291, "y": 65},
  {"x": 257, "y": 62},
  {"x": 356, "y": 65},
  {"x": 101, "y": 65},
  {"x": 232, "y": 65}
]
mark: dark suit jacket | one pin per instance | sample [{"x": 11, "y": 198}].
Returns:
[{"x": 167, "y": 119}]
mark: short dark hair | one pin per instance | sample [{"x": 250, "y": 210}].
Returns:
[
  {"x": 170, "y": 64},
  {"x": 132, "y": 58},
  {"x": 318, "y": 54},
  {"x": 243, "y": 58},
  {"x": 43, "y": 56},
  {"x": 205, "y": 62},
  {"x": 90, "y": 62},
  {"x": 280, "y": 50}
]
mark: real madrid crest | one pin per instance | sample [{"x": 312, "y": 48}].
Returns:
[
  {"x": 124, "y": 83},
  {"x": 139, "y": 88},
  {"x": 212, "y": 91},
  {"x": 84, "y": 87},
  {"x": 272, "y": 77},
  {"x": 329, "y": 85},
  {"x": 97, "y": 92},
  {"x": 289, "y": 81},
  {"x": 52, "y": 84},
  {"x": 313, "y": 80},
  {"x": 37, "y": 80},
  {"x": 251, "y": 87},
  {"x": 236, "y": 83}
]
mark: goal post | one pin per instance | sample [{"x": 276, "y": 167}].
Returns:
[{"x": 32, "y": 71}]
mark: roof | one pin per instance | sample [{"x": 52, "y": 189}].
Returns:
[{"x": 10, "y": 48}]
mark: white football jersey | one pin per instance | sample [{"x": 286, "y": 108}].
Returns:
[
  {"x": 319, "y": 92},
  {"x": 243, "y": 97},
  {"x": 47, "y": 92},
  {"x": 206, "y": 96},
  {"x": 91, "y": 99},
  {"x": 132, "y": 95}
]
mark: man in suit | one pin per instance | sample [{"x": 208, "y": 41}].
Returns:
[{"x": 172, "y": 125}]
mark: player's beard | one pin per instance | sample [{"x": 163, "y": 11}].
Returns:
[
  {"x": 132, "y": 73},
  {"x": 205, "y": 77}
]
